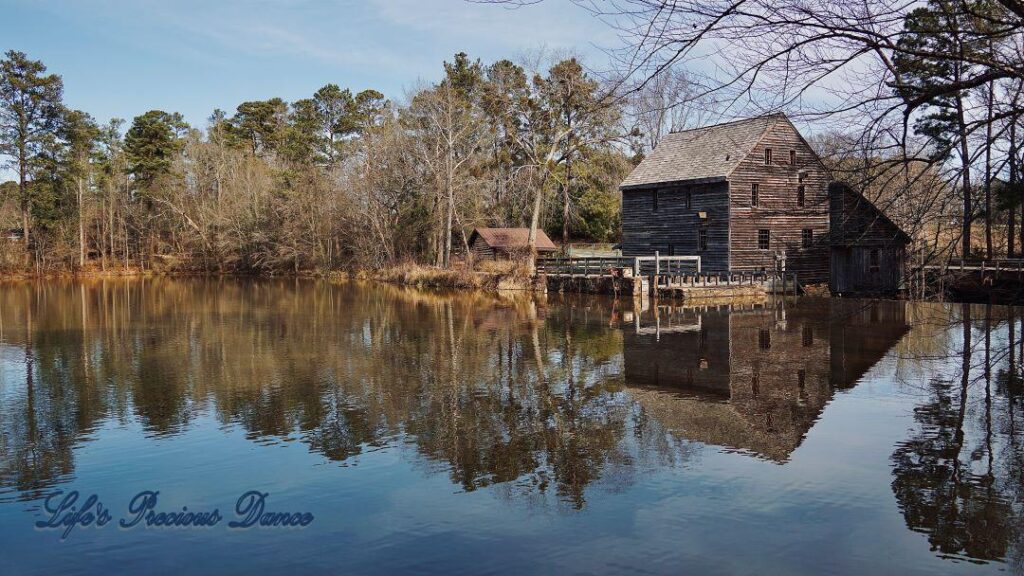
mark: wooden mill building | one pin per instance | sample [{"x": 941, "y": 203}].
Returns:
[{"x": 745, "y": 196}]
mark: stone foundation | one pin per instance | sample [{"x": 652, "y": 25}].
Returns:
[{"x": 616, "y": 286}]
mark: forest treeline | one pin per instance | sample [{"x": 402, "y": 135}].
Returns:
[
  {"x": 917, "y": 105},
  {"x": 339, "y": 179}
]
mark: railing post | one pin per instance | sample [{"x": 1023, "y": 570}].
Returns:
[
  {"x": 657, "y": 263},
  {"x": 636, "y": 267}
]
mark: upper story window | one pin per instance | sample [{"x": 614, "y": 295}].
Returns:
[
  {"x": 792, "y": 157},
  {"x": 687, "y": 199},
  {"x": 801, "y": 193},
  {"x": 702, "y": 239},
  {"x": 767, "y": 156},
  {"x": 807, "y": 237},
  {"x": 654, "y": 201},
  {"x": 754, "y": 189},
  {"x": 764, "y": 241},
  {"x": 874, "y": 260}
]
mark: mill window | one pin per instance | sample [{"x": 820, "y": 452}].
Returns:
[
  {"x": 873, "y": 260},
  {"x": 763, "y": 239},
  {"x": 792, "y": 157},
  {"x": 754, "y": 189},
  {"x": 801, "y": 193},
  {"x": 807, "y": 237},
  {"x": 767, "y": 156},
  {"x": 702, "y": 239},
  {"x": 654, "y": 201}
]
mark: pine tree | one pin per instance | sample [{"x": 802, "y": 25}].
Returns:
[{"x": 30, "y": 106}]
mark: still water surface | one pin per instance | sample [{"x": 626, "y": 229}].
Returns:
[{"x": 467, "y": 433}]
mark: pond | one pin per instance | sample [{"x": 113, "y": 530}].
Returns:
[{"x": 472, "y": 433}]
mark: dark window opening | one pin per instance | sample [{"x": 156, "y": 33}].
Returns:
[
  {"x": 755, "y": 385},
  {"x": 873, "y": 260},
  {"x": 702, "y": 239},
  {"x": 654, "y": 201},
  {"x": 763, "y": 239},
  {"x": 807, "y": 237},
  {"x": 808, "y": 336},
  {"x": 764, "y": 339},
  {"x": 801, "y": 192},
  {"x": 687, "y": 200},
  {"x": 754, "y": 189},
  {"x": 767, "y": 156},
  {"x": 792, "y": 157}
]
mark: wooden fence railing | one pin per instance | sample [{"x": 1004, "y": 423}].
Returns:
[{"x": 604, "y": 265}]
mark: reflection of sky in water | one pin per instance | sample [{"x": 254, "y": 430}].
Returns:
[{"x": 652, "y": 501}]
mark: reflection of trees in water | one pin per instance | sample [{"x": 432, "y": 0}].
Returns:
[
  {"x": 497, "y": 392},
  {"x": 958, "y": 478},
  {"x": 494, "y": 392}
]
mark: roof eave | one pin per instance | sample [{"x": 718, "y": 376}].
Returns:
[{"x": 667, "y": 183}]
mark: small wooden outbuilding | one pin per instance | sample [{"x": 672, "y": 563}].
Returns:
[
  {"x": 868, "y": 250},
  {"x": 495, "y": 243}
]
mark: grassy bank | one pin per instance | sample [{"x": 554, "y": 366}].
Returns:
[{"x": 487, "y": 276}]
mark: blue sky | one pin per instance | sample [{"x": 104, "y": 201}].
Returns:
[{"x": 120, "y": 58}]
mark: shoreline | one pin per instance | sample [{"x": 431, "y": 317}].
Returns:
[{"x": 404, "y": 275}]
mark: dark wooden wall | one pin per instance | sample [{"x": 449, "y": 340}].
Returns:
[
  {"x": 778, "y": 208},
  {"x": 852, "y": 273},
  {"x": 481, "y": 250},
  {"x": 858, "y": 228},
  {"x": 674, "y": 228}
]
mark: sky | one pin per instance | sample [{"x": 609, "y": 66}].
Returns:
[{"x": 120, "y": 58}]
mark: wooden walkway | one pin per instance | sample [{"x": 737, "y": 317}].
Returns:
[{"x": 670, "y": 276}]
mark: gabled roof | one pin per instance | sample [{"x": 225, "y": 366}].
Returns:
[
  {"x": 512, "y": 238},
  {"x": 704, "y": 154}
]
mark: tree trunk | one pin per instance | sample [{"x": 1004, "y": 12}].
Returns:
[
  {"x": 1011, "y": 224},
  {"x": 965, "y": 240},
  {"x": 450, "y": 191},
  {"x": 23, "y": 192},
  {"x": 531, "y": 264},
  {"x": 988, "y": 177},
  {"x": 81, "y": 226},
  {"x": 567, "y": 190}
]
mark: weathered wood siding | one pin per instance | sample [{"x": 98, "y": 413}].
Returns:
[
  {"x": 778, "y": 209},
  {"x": 858, "y": 229},
  {"x": 673, "y": 230},
  {"x": 480, "y": 249},
  {"x": 852, "y": 272}
]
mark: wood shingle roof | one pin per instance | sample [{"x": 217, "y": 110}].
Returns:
[
  {"x": 512, "y": 238},
  {"x": 703, "y": 154}
]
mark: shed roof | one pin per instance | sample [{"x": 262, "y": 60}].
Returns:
[
  {"x": 704, "y": 154},
  {"x": 851, "y": 231},
  {"x": 512, "y": 238}
]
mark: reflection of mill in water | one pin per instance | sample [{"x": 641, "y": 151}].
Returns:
[{"x": 753, "y": 378}]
